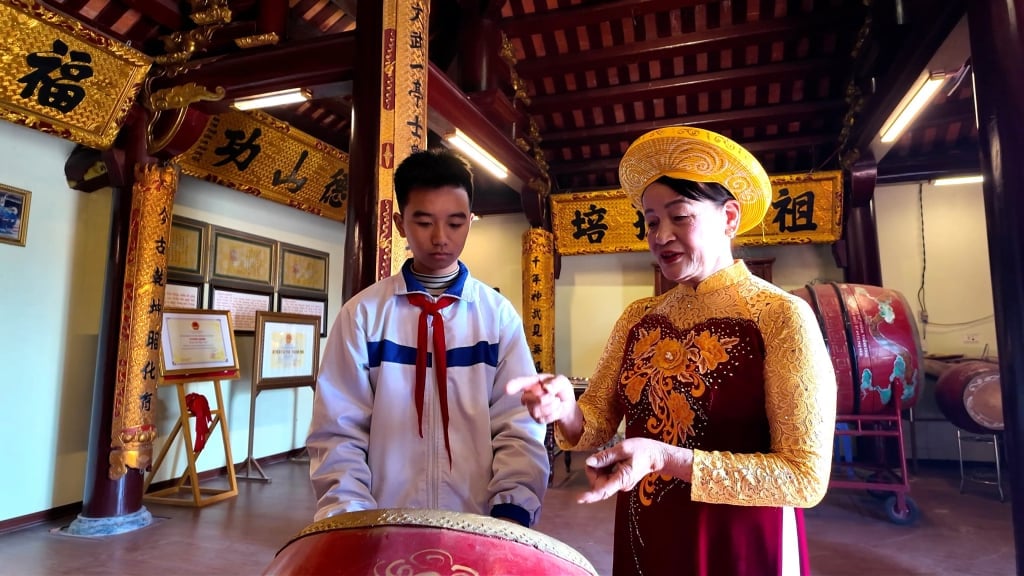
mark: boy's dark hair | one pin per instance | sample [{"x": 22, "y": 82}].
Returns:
[
  {"x": 432, "y": 169},
  {"x": 698, "y": 191}
]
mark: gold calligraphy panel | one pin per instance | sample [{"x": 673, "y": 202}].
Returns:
[
  {"x": 805, "y": 208},
  {"x": 59, "y": 77},
  {"x": 539, "y": 297},
  {"x": 260, "y": 155},
  {"x": 138, "y": 355},
  {"x": 403, "y": 115}
]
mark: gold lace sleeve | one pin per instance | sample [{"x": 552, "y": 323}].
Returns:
[
  {"x": 800, "y": 391},
  {"x": 601, "y": 410}
]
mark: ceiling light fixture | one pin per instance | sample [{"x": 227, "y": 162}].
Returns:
[
  {"x": 952, "y": 181},
  {"x": 279, "y": 98},
  {"x": 909, "y": 110},
  {"x": 476, "y": 153}
]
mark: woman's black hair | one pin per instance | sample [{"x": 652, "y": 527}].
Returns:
[{"x": 698, "y": 191}]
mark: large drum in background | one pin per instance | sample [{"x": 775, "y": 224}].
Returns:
[
  {"x": 407, "y": 541},
  {"x": 971, "y": 397},
  {"x": 872, "y": 338}
]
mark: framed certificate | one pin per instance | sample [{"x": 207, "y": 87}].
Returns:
[
  {"x": 183, "y": 295},
  {"x": 195, "y": 342},
  {"x": 306, "y": 306},
  {"x": 242, "y": 304},
  {"x": 286, "y": 353}
]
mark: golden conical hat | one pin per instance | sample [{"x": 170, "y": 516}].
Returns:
[{"x": 701, "y": 156}]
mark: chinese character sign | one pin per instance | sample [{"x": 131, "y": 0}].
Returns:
[
  {"x": 805, "y": 208},
  {"x": 539, "y": 297},
  {"x": 258, "y": 154},
  {"x": 138, "y": 355},
  {"x": 403, "y": 114},
  {"x": 59, "y": 77}
]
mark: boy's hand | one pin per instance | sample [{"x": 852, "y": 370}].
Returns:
[{"x": 547, "y": 398}]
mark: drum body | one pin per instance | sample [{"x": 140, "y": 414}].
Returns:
[
  {"x": 442, "y": 543},
  {"x": 872, "y": 339},
  {"x": 970, "y": 396}
]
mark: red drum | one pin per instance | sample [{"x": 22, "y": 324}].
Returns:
[
  {"x": 970, "y": 396},
  {"x": 872, "y": 338},
  {"x": 437, "y": 542}
]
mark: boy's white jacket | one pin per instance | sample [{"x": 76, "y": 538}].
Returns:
[{"x": 364, "y": 444}]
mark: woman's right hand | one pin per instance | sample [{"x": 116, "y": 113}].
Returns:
[{"x": 548, "y": 398}]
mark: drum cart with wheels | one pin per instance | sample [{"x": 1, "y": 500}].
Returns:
[{"x": 877, "y": 478}]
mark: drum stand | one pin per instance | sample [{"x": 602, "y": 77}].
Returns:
[{"x": 992, "y": 439}]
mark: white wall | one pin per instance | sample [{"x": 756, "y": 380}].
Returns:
[
  {"x": 953, "y": 257},
  {"x": 50, "y": 300}
]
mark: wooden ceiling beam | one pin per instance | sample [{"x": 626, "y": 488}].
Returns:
[
  {"x": 588, "y": 14},
  {"x": 164, "y": 12},
  {"x": 697, "y": 42},
  {"x": 755, "y": 147},
  {"x": 301, "y": 63},
  {"x": 448, "y": 101},
  {"x": 777, "y": 114},
  {"x": 682, "y": 85}
]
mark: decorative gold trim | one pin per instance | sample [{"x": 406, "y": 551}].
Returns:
[
  {"x": 176, "y": 98},
  {"x": 247, "y": 42},
  {"x": 448, "y": 520},
  {"x": 182, "y": 45},
  {"x": 210, "y": 11}
]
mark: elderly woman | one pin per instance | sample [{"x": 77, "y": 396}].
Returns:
[{"x": 724, "y": 382}]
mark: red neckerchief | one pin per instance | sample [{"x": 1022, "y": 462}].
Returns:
[{"x": 433, "y": 309}]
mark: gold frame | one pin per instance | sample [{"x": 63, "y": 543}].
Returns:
[
  {"x": 264, "y": 342},
  {"x": 222, "y": 319},
  {"x": 22, "y": 218}
]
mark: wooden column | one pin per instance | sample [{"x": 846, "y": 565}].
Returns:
[
  {"x": 106, "y": 500},
  {"x": 360, "y": 220},
  {"x": 997, "y": 53},
  {"x": 863, "y": 263}
]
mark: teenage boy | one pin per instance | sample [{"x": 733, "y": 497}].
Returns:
[{"x": 410, "y": 409}]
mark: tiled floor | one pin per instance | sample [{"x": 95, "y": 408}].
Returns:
[{"x": 960, "y": 535}]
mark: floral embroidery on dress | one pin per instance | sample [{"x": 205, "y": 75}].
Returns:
[{"x": 665, "y": 366}]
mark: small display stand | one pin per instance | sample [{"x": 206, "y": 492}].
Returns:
[
  {"x": 286, "y": 354},
  {"x": 196, "y": 346}
]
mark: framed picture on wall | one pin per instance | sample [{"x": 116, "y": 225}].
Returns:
[
  {"x": 302, "y": 271},
  {"x": 14, "y": 205},
  {"x": 187, "y": 250},
  {"x": 286, "y": 353},
  {"x": 242, "y": 260},
  {"x": 186, "y": 295},
  {"x": 306, "y": 306},
  {"x": 243, "y": 306}
]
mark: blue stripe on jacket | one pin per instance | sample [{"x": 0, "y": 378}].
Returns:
[{"x": 482, "y": 352}]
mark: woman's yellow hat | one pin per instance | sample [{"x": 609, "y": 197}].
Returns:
[{"x": 701, "y": 156}]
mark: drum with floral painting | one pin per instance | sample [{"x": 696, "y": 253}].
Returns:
[
  {"x": 872, "y": 338},
  {"x": 410, "y": 542}
]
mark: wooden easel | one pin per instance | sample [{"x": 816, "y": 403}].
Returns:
[{"x": 189, "y": 480}]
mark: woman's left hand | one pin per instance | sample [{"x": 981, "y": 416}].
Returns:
[{"x": 621, "y": 467}]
